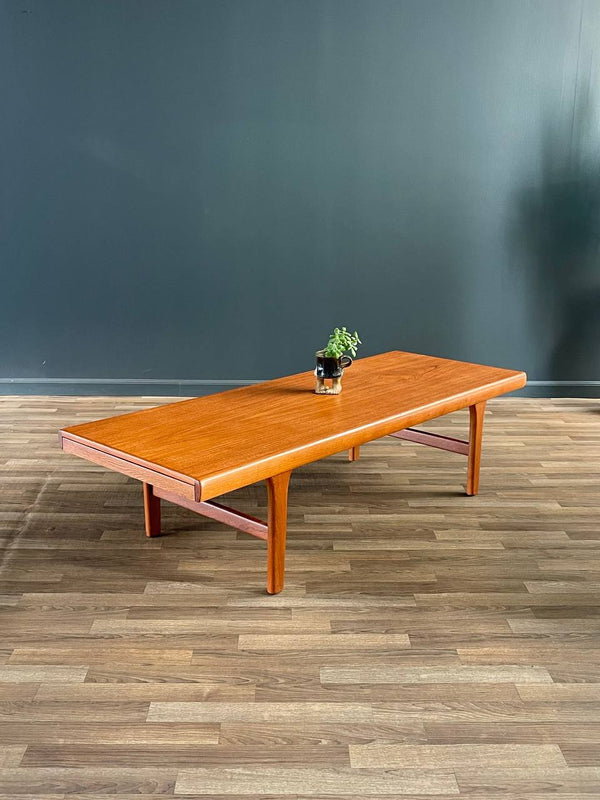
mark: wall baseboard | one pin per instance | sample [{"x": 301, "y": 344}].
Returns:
[
  {"x": 584, "y": 389},
  {"x": 131, "y": 387},
  {"x": 125, "y": 387}
]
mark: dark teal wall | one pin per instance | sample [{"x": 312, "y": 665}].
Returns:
[{"x": 202, "y": 188}]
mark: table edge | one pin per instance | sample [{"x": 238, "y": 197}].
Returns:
[{"x": 130, "y": 465}]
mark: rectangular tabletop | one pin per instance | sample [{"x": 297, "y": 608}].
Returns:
[{"x": 207, "y": 446}]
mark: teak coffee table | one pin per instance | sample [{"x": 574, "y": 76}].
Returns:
[{"x": 194, "y": 450}]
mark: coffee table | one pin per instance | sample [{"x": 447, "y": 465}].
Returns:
[{"x": 192, "y": 451}]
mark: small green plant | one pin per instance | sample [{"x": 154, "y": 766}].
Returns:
[{"x": 341, "y": 341}]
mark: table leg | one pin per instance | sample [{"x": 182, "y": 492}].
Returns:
[
  {"x": 354, "y": 453},
  {"x": 475, "y": 437},
  {"x": 151, "y": 511},
  {"x": 277, "y": 492}
]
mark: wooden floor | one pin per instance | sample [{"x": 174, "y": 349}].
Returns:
[{"x": 427, "y": 644}]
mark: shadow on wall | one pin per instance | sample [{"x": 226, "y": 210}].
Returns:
[{"x": 559, "y": 228}]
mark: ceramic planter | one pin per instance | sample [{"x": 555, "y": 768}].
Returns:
[{"x": 330, "y": 368}]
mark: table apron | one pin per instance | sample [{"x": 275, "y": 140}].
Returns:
[{"x": 129, "y": 468}]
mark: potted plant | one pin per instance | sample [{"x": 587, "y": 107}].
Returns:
[{"x": 334, "y": 358}]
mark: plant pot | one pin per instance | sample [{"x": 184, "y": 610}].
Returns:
[{"x": 330, "y": 368}]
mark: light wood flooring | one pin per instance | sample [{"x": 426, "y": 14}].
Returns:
[{"x": 427, "y": 644}]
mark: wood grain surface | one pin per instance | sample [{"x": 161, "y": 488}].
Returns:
[
  {"x": 211, "y": 445},
  {"x": 427, "y": 644}
]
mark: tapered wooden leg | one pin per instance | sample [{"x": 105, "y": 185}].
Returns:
[
  {"x": 277, "y": 492},
  {"x": 354, "y": 453},
  {"x": 475, "y": 437},
  {"x": 151, "y": 511}
]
